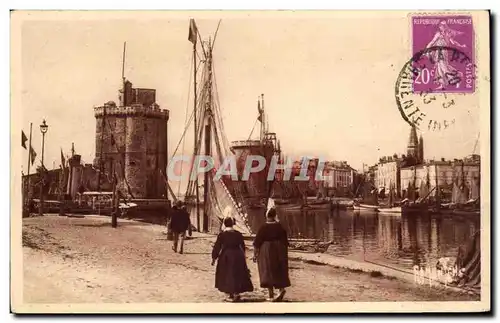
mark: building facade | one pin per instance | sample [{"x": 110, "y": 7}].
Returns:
[
  {"x": 387, "y": 174},
  {"x": 338, "y": 178},
  {"x": 444, "y": 175},
  {"x": 131, "y": 143},
  {"x": 410, "y": 173}
]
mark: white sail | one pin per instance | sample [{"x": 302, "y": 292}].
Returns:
[
  {"x": 270, "y": 204},
  {"x": 222, "y": 205}
]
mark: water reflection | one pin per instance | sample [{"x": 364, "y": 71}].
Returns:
[{"x": 402, "y": 241}]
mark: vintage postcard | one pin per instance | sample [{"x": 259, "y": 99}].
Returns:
[{"x": 250, "y": 161}]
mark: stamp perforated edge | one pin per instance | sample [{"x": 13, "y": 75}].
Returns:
[{"x": 475, "y": 41}]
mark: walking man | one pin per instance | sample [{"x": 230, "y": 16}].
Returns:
[{"x": 179, "y": 223}]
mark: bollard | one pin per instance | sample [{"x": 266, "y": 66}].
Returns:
[
  {"x": 114, "y": 220},
  {"x": 170, "y": 234},
  {"x": 62, "y": 211}
]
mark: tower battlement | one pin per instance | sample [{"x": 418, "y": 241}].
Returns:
[{"x": 134, "y": 110}]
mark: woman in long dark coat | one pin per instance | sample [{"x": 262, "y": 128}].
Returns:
[
  {"x": 232, "y": 275},
  {"x": 271, "y": 254}
]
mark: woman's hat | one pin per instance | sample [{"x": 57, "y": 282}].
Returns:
[
  {"x": 228, "y": 222},
  {"x": 271, "y": 213}
]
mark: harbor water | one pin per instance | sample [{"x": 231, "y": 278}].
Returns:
[{"x": 398, "y": 241}]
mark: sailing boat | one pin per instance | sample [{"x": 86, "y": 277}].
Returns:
[
  {"x": 411, "y": 203},
  {"x": 391, "y": 208},
  {"x": 373, "y": 195},
  {"x": 424, "y": 188},
  {"x": 218, "y": 202},
  {"x": 461, "y": 193}
]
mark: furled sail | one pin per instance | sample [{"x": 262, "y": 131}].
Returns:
[
  {"x": 459, "y": 194},
  {"x": 424, "y": 190},
  {"x": 455, "y": 193},
  {"x": 411, "y": 191},
  {"x": 391, "y": 195}
]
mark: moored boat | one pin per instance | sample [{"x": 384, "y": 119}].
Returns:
[
  {"x": 473, "y": 212},
  {"x": 368, "y": 207},
  {"x": 390, "y": 210},
  {"x": 318, "y": 206},
  {"x": 415, "y": 207},
  {"x": 289, "y": 206}
]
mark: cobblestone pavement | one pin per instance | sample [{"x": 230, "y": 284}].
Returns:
[{"x": 82, "y": 260}]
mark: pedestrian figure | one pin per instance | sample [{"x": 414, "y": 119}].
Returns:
[
  {"x": 190, "y": 228},
  {"x": 271, "y": 255},
  {"x": 232, "y": 275},
  {"x": 179, "y": 223},
  {"x": 32, "y": 206}
]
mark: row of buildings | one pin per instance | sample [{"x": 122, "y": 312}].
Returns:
[
  {"x": 411, "y": 171},
  {"x": 339, "y": 179}
]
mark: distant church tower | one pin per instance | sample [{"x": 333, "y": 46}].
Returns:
[
  {"x": 421, "y": 149},
  {"x": 413, "y": 147}
]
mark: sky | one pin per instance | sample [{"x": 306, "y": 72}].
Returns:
[{"x": 329, "y": 80}]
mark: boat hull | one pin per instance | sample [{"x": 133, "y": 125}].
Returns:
[
  {"x": 414, "y": 209},
  {"x": 293, "y": 206},
  {"x": 322, "y": 206},
  {"x": 466, "y": 212},
  {"x": 391, "y": 210},
  {"x": 367, "y": 207}
]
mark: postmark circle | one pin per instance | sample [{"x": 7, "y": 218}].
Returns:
[{"x": 431, "y": 84}]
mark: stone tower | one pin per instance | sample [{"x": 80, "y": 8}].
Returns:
[
  {"x": 412, "y": 149},
  {"x": 131, "y": 142}
]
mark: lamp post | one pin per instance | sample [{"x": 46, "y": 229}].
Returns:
[{"x": 43, "y": 129}]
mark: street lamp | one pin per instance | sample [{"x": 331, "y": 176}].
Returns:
[{"x": 43, "y": 129}]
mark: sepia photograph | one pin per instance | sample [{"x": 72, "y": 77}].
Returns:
[{"x": 250, "y": 161}]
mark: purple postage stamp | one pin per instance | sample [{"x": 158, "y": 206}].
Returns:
[{"x": 445, "y": 47}]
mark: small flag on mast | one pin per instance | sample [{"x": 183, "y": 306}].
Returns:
[
  {"x": 193, "y": 31},
  {"x": 32, "y": 154},
  {"x": 23, "y": 139},
  {"x": 260, "y": 111}
]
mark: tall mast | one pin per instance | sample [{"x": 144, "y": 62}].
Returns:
[
  {"x": 390, "y": 194},
  {"x": 208, "y": 135},
  {"x": 29, "y": 152},
  {"x": 197, "y": 190},
  {"x": 475, "y": 144},
  {"x": 123, "y": 62},
  {"x": 29, "y": 159},
  {"x": 437, "y": 186},
  {"x": 263, "y": 120},
  {"x": 462, "y": 188},
  {"x": 114, "y": 197}
]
